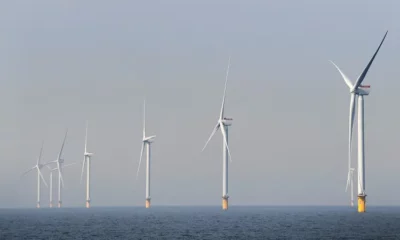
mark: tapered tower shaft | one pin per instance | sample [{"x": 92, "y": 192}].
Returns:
[
  {"x": 38, "y": 190},
  {"x": 148, "y": 159},
  {"x": 87, "y": 181},
  {"x": 51, "y": 189},
  {"x": 361, "y": 156},
  {"x": 225, "y": 172}
]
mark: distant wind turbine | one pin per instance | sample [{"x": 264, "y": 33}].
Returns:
[
  {"x": 223, "y": 123},
  {"x": 37, "y": 167},
  {"x": 87, "y": 159},
  {"x": 146, "y": 141},
  {"x": 359, "y": 91},
  {"x": 60, "y": 161}
]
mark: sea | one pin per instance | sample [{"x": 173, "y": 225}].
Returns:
[{"x": 163, "y": 222}]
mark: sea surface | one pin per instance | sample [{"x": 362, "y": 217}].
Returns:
[{"x": 239, "y": 222}]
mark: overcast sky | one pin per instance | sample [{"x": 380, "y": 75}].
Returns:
[{"x": 65, "y": 62}]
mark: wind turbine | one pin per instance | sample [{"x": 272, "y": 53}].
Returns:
[
  {"x": 223, "y": 123},
  {"x": 146, "y": 141},
  {"x": 38, "y": 166},
  {"x": 358, "y": 91},
  {"x": 60, "y": 161},
  {"x": 86, "y": 159},
  {"x": 51, "y": 181}
]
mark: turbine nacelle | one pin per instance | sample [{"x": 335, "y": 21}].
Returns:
[
  {"x": 88, "y": 154},
  {"x": 61, "y": 160},
  {"x": 149, "y": 139},
  {"x": 362, "y": 90},
  {"x": 226, "y": 121}
]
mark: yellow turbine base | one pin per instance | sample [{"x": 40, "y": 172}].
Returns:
[
  {"x": 148, "y": 203},
  {"x": 38, "y": 205},
  {"x": 59, "y": 205},
  {"x": 224, "y": 204},
  {"x": 361, "y": 204},
  {"x": 87, "y": 204},
  {"x": 51, "y": 205}
]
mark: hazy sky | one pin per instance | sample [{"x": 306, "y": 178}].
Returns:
[{"x": 62, "y": 62}]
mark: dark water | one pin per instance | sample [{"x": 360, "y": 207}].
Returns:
[{"x": 201, "y": 223}]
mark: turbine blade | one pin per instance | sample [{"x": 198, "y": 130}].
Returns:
[
  {"x": 226, "y": 141},
  {"x": 83, "y": 167},
  {"x": 23, "y": 174},
  {"x": 41, "y": 176},
  {"x": 58, "y": 167},
  {"x": 151, "y": 137},
  {"x": 144, "y": 118},
  {"x": 45, "y": 164},
  {"x": 140, "y": 160},
  {"x": 62, "y": 180},
  {"x": 348, "y": 181},
  {"x": 212, "y": 134},
  {"x": 67, "y": 165},
  {"x": 221, "y": 115},
  {"x": 59, "y": 174},
  {"x": 345, "y": 78},
  {"x": 364, "y": 73},
  {"x": 351, "y": 123},
  {"x": 40, "y": 154},
  {"x": 87, "y": 123},
  {"x": 62, "y": 146}
]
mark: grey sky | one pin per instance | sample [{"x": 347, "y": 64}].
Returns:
[{"x": 62, "y": 62}]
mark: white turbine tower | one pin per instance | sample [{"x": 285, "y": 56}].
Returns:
[
  {"x": 223, "y": 123},
  {"x": 60, "y": 161},
  {"x": 38, "y": 166},
  {"x": 51, "y": 182},
  {"x": 51, "y": 187},
  {"x": 358, "y": 91},
  {"x": 87, "y": 159},
  {"x": 146, "y": 141}
]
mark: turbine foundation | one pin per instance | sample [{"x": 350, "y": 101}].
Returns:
[
  {"x": 87, "y": 203},
  {"x": 361, "y": 203},
  {"x": 59, "y": 204},
  {"x": 38, "y": 205},
  {"x": 224, "y": 203},
  {"x": 147, "y": 203},
  {"x": 51, "y": 205}
]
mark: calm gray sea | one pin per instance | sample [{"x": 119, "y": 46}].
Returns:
[{"x": 200, "y": 223}]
